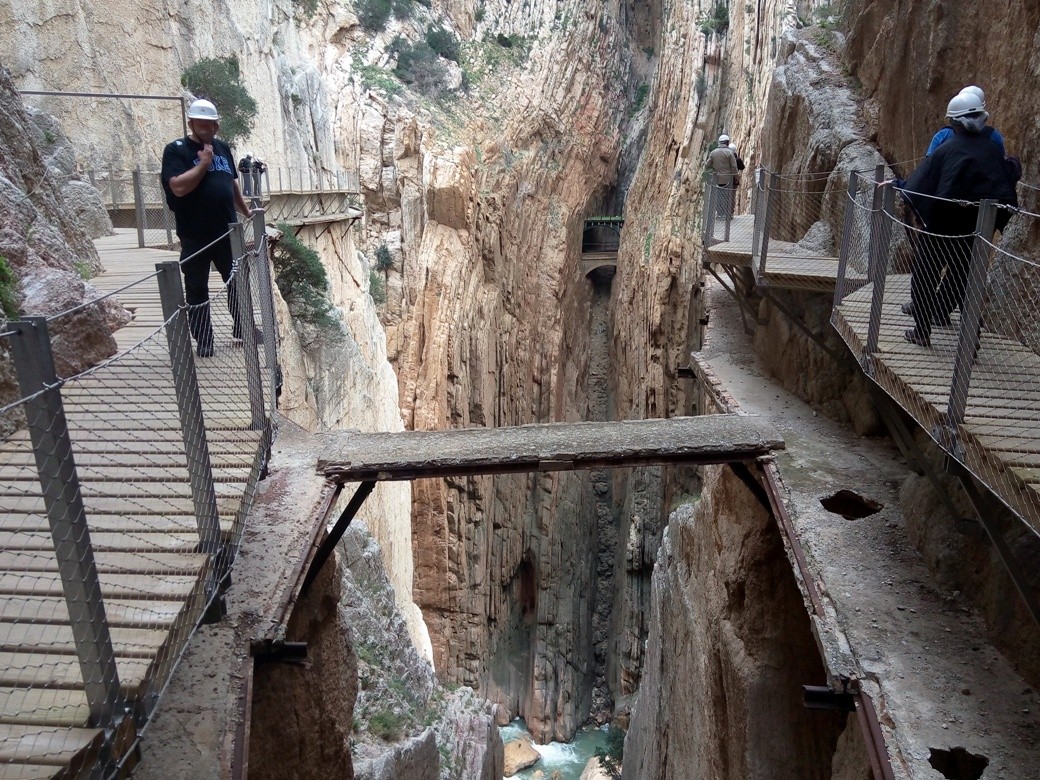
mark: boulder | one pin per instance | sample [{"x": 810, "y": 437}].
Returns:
[{"x": 520, "y": 754}]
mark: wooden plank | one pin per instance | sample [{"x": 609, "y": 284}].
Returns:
[
  {"x": 43, "y": 707},
  {"x": 126, "y": 586},
  {"x": 119, "y": 612},
  {"x": 104, "y": 541},
  {"x": 147, "y": 563},
  {"x": 107, "y": 505},
  {"x": 18, "y": 522},
  {"x": 57, "y": 671},
  {"x": 12, "y": 771},
  {"x": 127, "y": 642},
  {"x": 50, "y": 746},
  {"x": 130, "y": 492},
  {"x": 353, "y": 456}
]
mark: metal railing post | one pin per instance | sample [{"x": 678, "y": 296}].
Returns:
[
  {"x": 844, "y": 248},
  {"x": 189, "y": 405},
  {"x": 247, "y": 325},
  {"x": 772, "y": 186},
  {"x": 709, "y": 211},
  {"x": 139, "y": 206},
  {"x": 877, "y": 263},
  {"x": 59, "y": 480},
  {"x": 267, "y": 315},
  {"x": 971, "y": 322}
]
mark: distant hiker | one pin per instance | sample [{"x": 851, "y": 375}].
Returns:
[
  {"x": 723, "y": 162},
  {"x": 966, "y": 167},
  {"x": 200, "y": 181}
]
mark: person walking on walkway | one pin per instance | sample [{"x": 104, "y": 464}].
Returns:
[
  {"x": 200, "y": 180},
  {"x": 723, "y": 162},
  {"x": 967, "y": 167}
]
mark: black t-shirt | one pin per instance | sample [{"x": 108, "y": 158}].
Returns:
[{"x": 204, "y": 213}]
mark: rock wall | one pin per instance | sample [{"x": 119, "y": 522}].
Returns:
[
  {"x": 730, "y": 645},
  {"x": 45, "y": 247}
]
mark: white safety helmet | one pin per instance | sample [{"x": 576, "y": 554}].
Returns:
[
  {"x": 203, "y": 109},
  {"x": 977, "y": 91},
  {"x": 723, "y": 139},
  {"x": 963, "y": 104}
]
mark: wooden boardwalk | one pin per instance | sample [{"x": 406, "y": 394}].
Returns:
[
  {"x": 129, "y": 452},
  {"x": 787, "y": 266},
  {"x": 1001, "y": 429}
]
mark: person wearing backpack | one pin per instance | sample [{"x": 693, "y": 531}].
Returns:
[
  {"x": 966, "y": 167},
  {"x": 722, "y": 160}
]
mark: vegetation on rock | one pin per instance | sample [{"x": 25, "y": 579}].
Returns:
[
  {"x": 219, "y": 80},
  {"x": 302, "y": 281},
  {"x": 8, "y": 290},
  {"x": 374, "y": 14},
  {"x": 717, "y": 21}
]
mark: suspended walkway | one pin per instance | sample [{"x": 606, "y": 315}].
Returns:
[
  {"x": 975, "y": 389},
  {"x": 125, "y": 490}
]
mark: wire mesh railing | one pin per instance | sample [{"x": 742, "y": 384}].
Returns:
[
  {"x": 125, "y": 490},
  {"x": 797, "y": 223},
  {"x": 136, "y": 199},
  {"x": 719, "y": 203},
  {"x": 946, "y": 325}
]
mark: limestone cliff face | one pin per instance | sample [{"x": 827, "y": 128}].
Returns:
[
  {"x": 45, "y": 248},
  {"x": 728, "y": 630}
]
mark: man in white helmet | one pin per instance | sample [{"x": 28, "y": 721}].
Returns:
[
  {"x": 969, "y": 99},
  {"x": 723, "y": 162},
  {"x": 966, "y": 169},
  {"x": 200, "y": 181}
]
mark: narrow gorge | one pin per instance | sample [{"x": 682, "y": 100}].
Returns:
[{"x": 663, "y": 600}]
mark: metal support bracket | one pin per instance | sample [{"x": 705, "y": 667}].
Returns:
[
  {"x": 336, "y": 533},
  {"x": 765, "y": 293}
]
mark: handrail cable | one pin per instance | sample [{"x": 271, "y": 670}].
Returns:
[{"x": 93, "y": 301}]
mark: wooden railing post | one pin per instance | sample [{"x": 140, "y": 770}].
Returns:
[
  {"x": 877, "y": 264},
  {"x": 971, "y": 322},
  {"x": 73, "y": 551}
]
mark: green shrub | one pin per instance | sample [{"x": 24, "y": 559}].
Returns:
[
  {"x": 309, "y": 7},
  {"x": 384, "y": 260},
  {"x": 8, "y": 290},
  {"x": 374, "y": 14},
  {"x": 302, "y": 281},
  {"x": 386, "y": 725},
  {"x": 419, "y": 66},
  {"x": 220, "y": 81},
  {"x": 444, "y": 42},
  {"x": 640, "y": 100},
  {"x": 611, "y": 755},
  {"x": 376, "y": 287},
  {"x": 701, "y": 85},
  {"x": 717, "y": 21},
  {"x": 83, "y": 269}
]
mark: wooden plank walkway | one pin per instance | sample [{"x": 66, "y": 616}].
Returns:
[
  {"x": 129, "y": 452},
  {"x": 787, "y": 266},
  {"x": 1001, "y": 430}
]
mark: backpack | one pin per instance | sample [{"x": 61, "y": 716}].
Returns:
[{"x": 740, "y": 163}]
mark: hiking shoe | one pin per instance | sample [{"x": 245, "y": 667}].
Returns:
[
  {"x": 915, "y": 337},
  {"x": 942, "y": 320}
]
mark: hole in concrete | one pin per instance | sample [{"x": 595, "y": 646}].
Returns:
[
  {"x": 851, "y": 506},
  {"x": 958, "y": 763}
]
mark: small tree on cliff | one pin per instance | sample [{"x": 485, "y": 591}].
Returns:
[{"x": 220, "y": 81}]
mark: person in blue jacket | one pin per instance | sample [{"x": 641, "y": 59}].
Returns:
[
  {"x": 966, "y": 167},
  {"x": 974, "y": 100}
]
